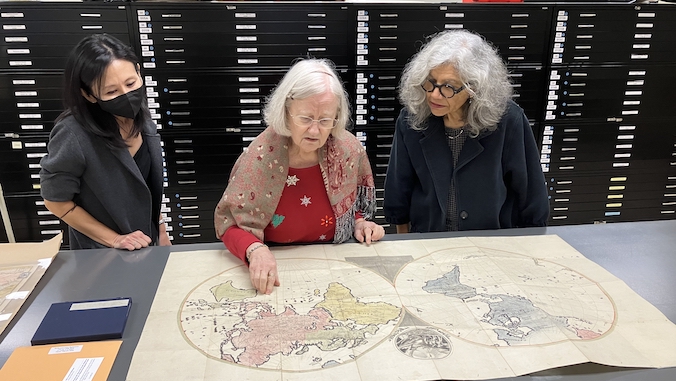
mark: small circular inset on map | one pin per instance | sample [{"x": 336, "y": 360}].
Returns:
[{"x": 423, "y": 343}]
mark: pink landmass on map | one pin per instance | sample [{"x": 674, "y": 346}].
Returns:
[
  {"x": 270, "y": 334},
  {"x": 586, "y": 334}
]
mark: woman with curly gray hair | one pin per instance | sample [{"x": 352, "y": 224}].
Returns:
[{"x": 463, "y": 156}]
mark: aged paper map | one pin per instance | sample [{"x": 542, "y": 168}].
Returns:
[
  {"x": 21, "y": 267},
  {"x": 454, "y": 308}
]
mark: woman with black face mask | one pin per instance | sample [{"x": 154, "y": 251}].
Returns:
[{"x": 102, "y": 174}]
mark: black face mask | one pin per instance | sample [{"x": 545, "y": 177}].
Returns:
[{"x": 126, "y": 105}]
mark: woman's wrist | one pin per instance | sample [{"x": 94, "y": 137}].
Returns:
[
  {"x": 253, "y": 247},
  {"x": 113, "y": 242}
]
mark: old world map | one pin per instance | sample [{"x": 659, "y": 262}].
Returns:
[
  {"x": 452, "y": 308},
  {"x": 488, "y": 297}
]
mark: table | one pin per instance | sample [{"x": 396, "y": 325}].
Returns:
[{"x": 642, "y": 254}]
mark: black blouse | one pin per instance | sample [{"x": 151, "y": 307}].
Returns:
[{"x": 142, "y": 159}]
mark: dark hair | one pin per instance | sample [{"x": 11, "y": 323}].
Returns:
[{"x": 85, "y": 68}]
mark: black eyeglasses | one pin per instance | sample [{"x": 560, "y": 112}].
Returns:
[{"x": 446, "y": 90}]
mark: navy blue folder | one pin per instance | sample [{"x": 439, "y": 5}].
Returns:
[{"x": 69, "y": 322}]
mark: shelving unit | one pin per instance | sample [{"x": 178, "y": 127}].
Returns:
[{"x": 594, "y": 80}]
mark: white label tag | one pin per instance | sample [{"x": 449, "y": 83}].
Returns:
[
  {"x": 44, "y": 262},
  {"x": 84, "y": 369},
  {"x": 98, "y": 305},
  {"x": 17, "y": 295},
  {"x": 65, "y": 349}
]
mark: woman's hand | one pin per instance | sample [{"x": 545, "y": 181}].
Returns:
[
  {"x": 368, "y": 231},
  {"x": 132, "y": 241},
  {"x": 79, "y": 219},
  {"x": 262, "y": 268}
]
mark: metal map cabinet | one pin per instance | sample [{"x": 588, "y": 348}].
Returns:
[
  {"x": 592, "y": 80},
  {"x": 608, "y": 143}
]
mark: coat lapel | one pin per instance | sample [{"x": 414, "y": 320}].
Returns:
[
  {"x": 156, "y": 174},
  {"x": 438, "y": 159},
  {"x": 122, "y": 154},
  {"x": 470, "y": 149}
]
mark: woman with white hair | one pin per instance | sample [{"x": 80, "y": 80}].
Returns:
[
  {"x": 463, "y": 156},
  {"x": 303, "y": 179}
]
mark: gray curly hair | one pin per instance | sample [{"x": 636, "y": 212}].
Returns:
[
  {"x": 480, "y": 68},
  {"x": 306, "y": 78}
]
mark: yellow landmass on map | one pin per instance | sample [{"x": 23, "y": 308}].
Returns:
[
  {"x": 342, "y": 305},
  {"x": 229, "y": 292}
]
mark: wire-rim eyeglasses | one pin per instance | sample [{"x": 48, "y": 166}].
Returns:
[{"x": 305, "y": 121}]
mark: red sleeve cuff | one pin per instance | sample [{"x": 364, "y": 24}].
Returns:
[{"x": 237, "y": 240}]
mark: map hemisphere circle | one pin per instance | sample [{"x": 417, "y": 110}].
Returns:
[
  {"x": 498, "y": 298},
  {"x": 330, "y": 312}
]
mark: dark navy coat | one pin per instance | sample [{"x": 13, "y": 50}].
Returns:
[{"x": 498, "y": 178}]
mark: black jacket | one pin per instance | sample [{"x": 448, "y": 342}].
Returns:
[
  {"x": 498, "y": 178},
  {"x": 103, "y": 181}
]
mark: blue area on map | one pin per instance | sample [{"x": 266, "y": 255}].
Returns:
[
  {"x": 450, "y": 285},
  {"x": 514, "y": 317}
]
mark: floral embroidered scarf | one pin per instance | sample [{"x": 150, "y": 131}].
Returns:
[{"x": 259, "y": 175}]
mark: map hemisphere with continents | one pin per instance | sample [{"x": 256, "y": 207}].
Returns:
[
  {"x": 321, "y": 316},
  {"x": 496, "y": 298},
  {"x": 327, "y": 313}
]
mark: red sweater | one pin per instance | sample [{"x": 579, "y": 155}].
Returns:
[{"x": 303, "y": 214}]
